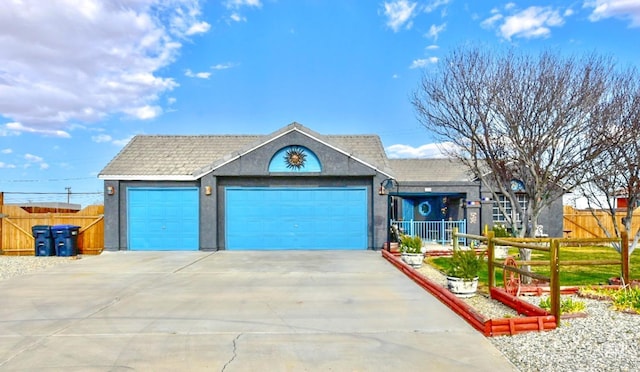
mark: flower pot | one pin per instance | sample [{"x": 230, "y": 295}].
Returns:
[
  {"x": 463, "y": 288},
  {"x": 413, "y": 259},
  {"x": 392, "y": 247}
]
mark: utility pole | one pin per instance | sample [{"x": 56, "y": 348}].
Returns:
[{"x": 68, "y": 194}]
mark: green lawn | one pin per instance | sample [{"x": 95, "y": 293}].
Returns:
[{"x": 569, "y": 275}]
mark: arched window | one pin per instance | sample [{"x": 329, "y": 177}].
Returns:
[{"x": 294, "y": 159}]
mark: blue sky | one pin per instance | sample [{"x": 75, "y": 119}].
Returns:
[{"x": 79, "y": 78}]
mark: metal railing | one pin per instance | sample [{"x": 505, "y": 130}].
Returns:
[{"x": 439, "y": 232}]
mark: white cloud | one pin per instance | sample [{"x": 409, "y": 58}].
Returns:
[
  {"x": 69, "y": 61},
  {"x": 432, "y": 47},
  {"x": 17, "y": 128},
  {"x": 625, "y": 9},
  {"x": 532, "y": 22},
  {"x": 122, "y": 142},
  {"x": 199, "y": 75},
  {"x": 399, "y": 14},
  {"x": 7, "y": 151},
  {"x": 435, "y": 4},
  {"x": 419, "y": 63},
  {"x": 222, "y": 66},
  {"x": 144, "y": 112},
  {"x": 491, "y": 21},
  {"x": 434, "y": 31},
  {"x": 6, "y": 166},
  {"x": 235, "y": 4},
  {"x": 101, "y": 138},
  {"x": 33, "y": 158},
  {"x": 198, "y": 28},
  {"x": 237, "y": 17},
  {"x": 430, "y": 150}
]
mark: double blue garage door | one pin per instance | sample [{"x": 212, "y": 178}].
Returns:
[
  {"x": 296, "y": 218},
  {"x": 255, "y": 218}
]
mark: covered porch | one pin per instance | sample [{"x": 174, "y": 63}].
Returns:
[{"x": 430, "y": 215}]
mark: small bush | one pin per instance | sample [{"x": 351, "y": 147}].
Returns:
[
  {"x": 500, "y": 231},
  {"x": 625, "y": 299},
  {"x": 465, "y": 264},
  {"x": 410, "y": 244},
  {"x": 567, "y": 305}
]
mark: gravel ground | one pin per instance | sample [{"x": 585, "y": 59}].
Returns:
[
  {"x": 604, "y": 340},
  {"x": 11, "y": 266}
]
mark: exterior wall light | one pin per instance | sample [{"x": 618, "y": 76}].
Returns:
[
  {"x": 111, "y": 190},
  {"x": 207, "y": 190},
  {"x": 386, "y": 185}
]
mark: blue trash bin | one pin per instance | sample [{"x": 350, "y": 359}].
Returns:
[
  {"x": 66, "y": 239},
  {"x": 43, "y": 240}
]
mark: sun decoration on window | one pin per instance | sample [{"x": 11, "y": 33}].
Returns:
[{"x": 295, "y": 157}]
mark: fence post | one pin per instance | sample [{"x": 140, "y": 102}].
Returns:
[
  {"x": 555, "y": 279},
  {"x": 443, "y": 228},
  {"x": 454, "y": 238},
  {"x": 624, "y": 251},
  {"x": 491, "y": 255}
]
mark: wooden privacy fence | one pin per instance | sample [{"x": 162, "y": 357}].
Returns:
[
  {"x": 552, "y": 246},
  {"x": 17, "y": 238},
  {"x": 582, "y": 224}
]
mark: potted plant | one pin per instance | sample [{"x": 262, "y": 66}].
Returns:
[
  {"x": 462, "y": 276},
  {"x": 500, "y": 251},
  {"x": 411, "y": 250}
]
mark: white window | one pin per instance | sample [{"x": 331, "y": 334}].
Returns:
[{"x": 498, "y": 216}]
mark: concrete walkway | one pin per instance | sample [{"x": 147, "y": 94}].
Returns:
[{"x": 233, "y": 311}]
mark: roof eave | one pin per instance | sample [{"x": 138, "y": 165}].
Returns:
[{"x": 113, "y": 177}]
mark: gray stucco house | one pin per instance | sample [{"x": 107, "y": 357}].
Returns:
[{"x": 291, "y": 189}]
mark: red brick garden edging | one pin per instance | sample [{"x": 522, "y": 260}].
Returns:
[{"x": 536, "y": 319}]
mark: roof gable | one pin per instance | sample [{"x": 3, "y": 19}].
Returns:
[{"x": 148, "y": 157}]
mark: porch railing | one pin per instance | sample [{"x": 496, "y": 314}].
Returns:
[{"x": 432, "y": 231}]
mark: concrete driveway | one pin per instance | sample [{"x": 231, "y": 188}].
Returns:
[{"x": 233, "y": 311}]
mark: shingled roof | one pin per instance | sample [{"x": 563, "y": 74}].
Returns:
[
  {"x": 174, "y": 157},
  {"x": 429, "y": 170}
]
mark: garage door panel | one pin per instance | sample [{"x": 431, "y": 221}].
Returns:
[
  {"x": 163, "y": 219},
  {"x": 296, "y": 218}
]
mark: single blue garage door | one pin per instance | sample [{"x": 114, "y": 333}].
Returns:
[
  {"x": 296, "y": 218},
  {"x": 163, "y": 219}
]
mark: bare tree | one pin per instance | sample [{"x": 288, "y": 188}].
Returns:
[
  {"x": 517, "y": 117},
  {"x": 616, "y": 171}
]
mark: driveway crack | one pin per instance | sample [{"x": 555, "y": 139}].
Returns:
[{"x": 235, "y": 354}]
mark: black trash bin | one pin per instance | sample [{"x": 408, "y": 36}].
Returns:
[
  {"x": 43, "y": 242},
  {"x": 66, "y": 239}
]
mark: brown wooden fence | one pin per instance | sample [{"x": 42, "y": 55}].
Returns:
[
  {"x": 581, "y": 224},
  {"x": 16, "y": 223}
]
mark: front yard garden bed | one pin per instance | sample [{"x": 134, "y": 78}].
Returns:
[{"x": 530, "y": 318}]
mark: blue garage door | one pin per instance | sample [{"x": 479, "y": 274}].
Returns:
[
  {"x": 296, "y": 218},
  {"x": 163, "y": 219}
]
